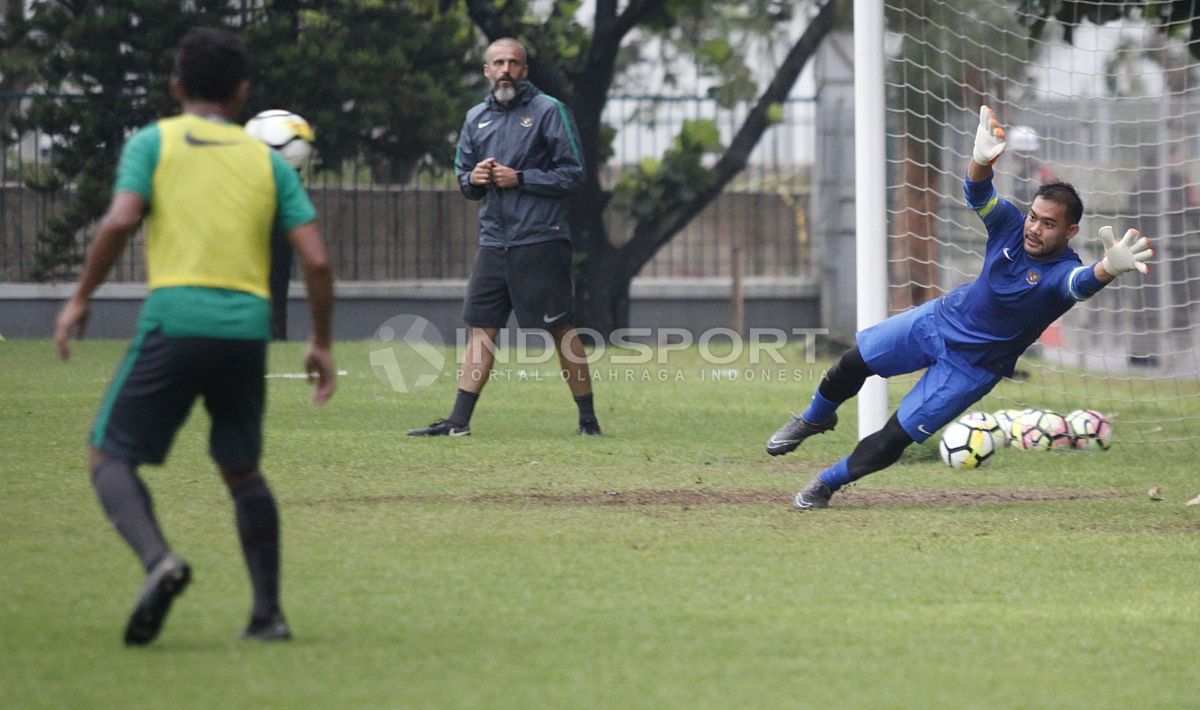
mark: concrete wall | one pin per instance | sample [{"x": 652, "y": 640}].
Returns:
[{"x": 696, "y": 305}]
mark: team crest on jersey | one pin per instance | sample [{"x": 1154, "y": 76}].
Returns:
[
  {"x": 527, "y": 121},
  {"x": 1032, "y": 277}
]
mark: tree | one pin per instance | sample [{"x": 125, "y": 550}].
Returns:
[
  {"x": 578, "y": 65},
  {"x": 374, "y": 77},
  {"x": 18, "y": 67},
  {"x": 1179, "y": 17},
  {"x": 101, "y": 58},
  {"x": 383, "y": 80}
]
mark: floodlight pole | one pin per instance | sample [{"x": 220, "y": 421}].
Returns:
[{"x": 870, "y": 205}]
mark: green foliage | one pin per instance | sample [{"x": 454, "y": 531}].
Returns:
[
  {"x": 111, "y": 60},
  {"x": 375, "y": 78},
  {"x": 607, "y": 136},
  {"x": 717, "y": 35},
  {"x": 658, "y": 185},
  {"x": 775, "y": 113},
  {"x": 560, "y": 40},
  {"x": 1180, "y": 17}
]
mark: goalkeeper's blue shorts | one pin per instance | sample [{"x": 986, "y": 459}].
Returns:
[{"x": 910, "y": 341}]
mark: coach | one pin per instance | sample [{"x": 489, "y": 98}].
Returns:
[{"x": 519, "y": 153}]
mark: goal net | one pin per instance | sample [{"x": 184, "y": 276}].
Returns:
[{"x": 1114, "y": 109}]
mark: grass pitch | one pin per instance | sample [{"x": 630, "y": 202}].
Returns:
[{"x": 657, "y": 566}]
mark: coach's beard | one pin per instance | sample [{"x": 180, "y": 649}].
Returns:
[{"x": 504, "y": 89}]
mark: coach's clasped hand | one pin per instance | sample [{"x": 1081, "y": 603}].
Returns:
[
  {"x": 989, "y": 138},
  {"x": 1132, "y": 252}
]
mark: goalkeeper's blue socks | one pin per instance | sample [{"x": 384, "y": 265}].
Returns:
[
  {"x": 820, "y": 409},
  {"x": 837, "y": 475}
]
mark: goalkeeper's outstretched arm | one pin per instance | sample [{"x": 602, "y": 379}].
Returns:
[
  {"x": 1130, "y": 254},
  {"x": 989, "y": 144}
]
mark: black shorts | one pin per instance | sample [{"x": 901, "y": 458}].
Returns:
[
  {"x": 156, "y": 384},
  {"x": 534, "y": 280}
]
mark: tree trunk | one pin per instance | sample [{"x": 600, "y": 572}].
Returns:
[
  {"x": 601, "y": 286},
  {"x": 915, "y": 272},
  {"x": 650, "y": 235}
]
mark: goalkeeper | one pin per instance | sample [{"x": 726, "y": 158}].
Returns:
[{"x": 970, "y": 338}]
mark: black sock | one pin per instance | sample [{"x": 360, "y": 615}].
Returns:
[
  {"x": 464, "y": 405},
  {"x": 127, "y": 502},
  {"x": 586, "y": 409},
  {"x": 258, "y": 528}
]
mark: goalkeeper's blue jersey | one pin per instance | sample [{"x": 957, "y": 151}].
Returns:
[{"x": 990, "y": 321}]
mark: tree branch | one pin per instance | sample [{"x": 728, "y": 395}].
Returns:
[
  {"x": 487, "y": 18},
  {"x": 606, "y": 12},
  {"x": 650, "y": 235},
  {"x": 609, "y": 29},
  {"x": 634, "y": 13}
]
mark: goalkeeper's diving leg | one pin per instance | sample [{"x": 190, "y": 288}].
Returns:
[
  {"x": 840, "y": 383},
  {"x": 874, "y": 453}
]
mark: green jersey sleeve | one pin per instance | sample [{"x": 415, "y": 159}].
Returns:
[
  {"x": 295, "y": 208},
  {"x": 139, "y": 158}
]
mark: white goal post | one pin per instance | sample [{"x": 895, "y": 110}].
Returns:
[{"x": 870, "y": 202}]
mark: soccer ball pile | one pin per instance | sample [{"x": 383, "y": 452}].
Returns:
[
  {"x": 971, "y": 441},
  {"x": 1038, "y": 429},
  {"x": 1089, "y": 429},
  {"x": 286, "y": 132}
]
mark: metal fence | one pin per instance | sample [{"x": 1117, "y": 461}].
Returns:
[{"x": 424, "y": 229}]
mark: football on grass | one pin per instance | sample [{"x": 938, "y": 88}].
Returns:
[
  {"x": 1089, "y": 429},
  {"x": 1038, "y": 429},
  {"x": 965, "y": 445},
  {"x": 989, "y": 423},
  {"x": 1005, "y": 418}
]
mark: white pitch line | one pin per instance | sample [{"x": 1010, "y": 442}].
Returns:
[{"x": 298, "y": 375}]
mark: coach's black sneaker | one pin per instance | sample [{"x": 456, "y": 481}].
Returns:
[
  {"x": 164, "y": 582},
  {"x": 790, "y": 435},
  {"x": 441, "y": 427},
  {"x": 589, "y": 427},
  {"x": 814, "y": 495},
  {"x": 272, "y": 628}
]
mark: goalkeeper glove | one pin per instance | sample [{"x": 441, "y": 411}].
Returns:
[
  {"x": 989, "y": 138},
  {"x": 1132, "y": 252}
]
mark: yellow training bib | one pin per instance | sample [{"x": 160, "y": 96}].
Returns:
[{"x": 213, "y": 204}]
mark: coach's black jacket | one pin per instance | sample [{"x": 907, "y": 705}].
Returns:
[{"x": 535, "y": 134}]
